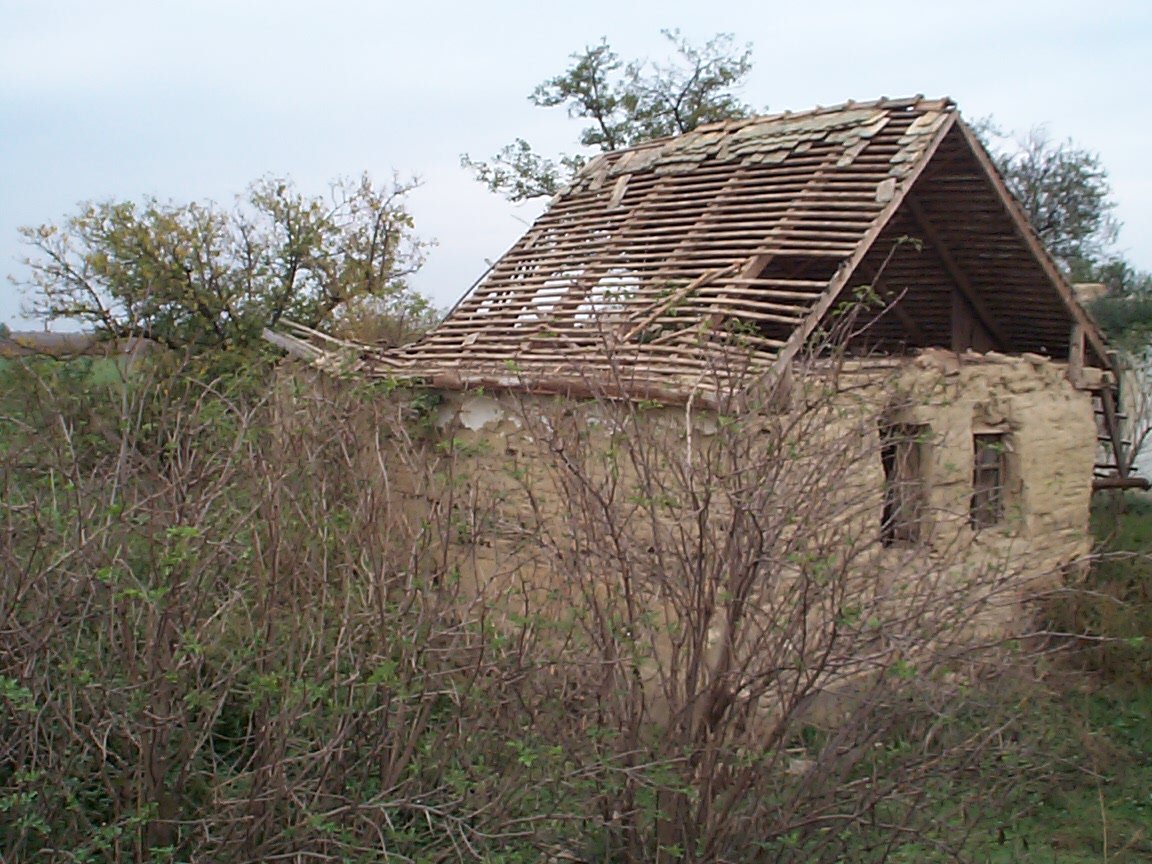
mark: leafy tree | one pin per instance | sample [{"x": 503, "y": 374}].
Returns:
[
  {"x": 624, "y": 103},
  {"x": 196, "y": 277},
  {"x": 1125, "y": 309},
  {"x": 1065, "y": 192},
  {"x": 1063, "y": 189}
]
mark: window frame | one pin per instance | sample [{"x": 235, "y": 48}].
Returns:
[
  {"x": 990, "y": 448},
  {"x": 903, "y": 459}
]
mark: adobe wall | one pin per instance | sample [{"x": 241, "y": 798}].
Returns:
[
  {"x": 1050, "y": 430},
  {"x": 599, "y": 530},
  {"x": 506, "y": 471}
]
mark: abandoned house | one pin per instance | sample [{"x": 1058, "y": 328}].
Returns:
[{"x": 681, "y": 274}]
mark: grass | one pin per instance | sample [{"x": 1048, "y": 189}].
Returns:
[
  {"x": 1071, "y": 780},
  {"x": 103, "y": 370},
  {"x": 1096, "y": 724},
  {"x": 1097, "y": 806}
]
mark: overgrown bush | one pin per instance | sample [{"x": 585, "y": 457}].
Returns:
[
  {"x": 244, "y": 621},
  {"x": 219, "y": 643}
]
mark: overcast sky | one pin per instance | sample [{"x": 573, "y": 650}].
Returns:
[{"x": 194, "y": 99}]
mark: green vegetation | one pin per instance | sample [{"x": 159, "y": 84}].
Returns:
[
  {"x": 1094, "y": 725},
  {"x": 623, "y": 104},
  {"x": 211, "y": 651},
  {"x": 205, "y": 280}
]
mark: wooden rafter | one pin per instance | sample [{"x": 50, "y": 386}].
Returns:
[
  {"x": 894, "y": 301},
  {"x": 969, "y": 292}
]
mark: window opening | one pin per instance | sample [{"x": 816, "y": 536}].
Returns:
[
  {"x": 988, "y": 473},
  {"x": 902, "y": 455}
]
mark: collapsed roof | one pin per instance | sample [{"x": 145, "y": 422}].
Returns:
[{"x": 754, "y": 233}]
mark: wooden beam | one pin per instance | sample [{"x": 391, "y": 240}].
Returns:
[
  {"x": 1076, "y": 356},
  {"x": 893, "y": 298},
  {"x": 677, "y": 297},
  {"x": 971, "y": 295},
  {"x": 1112, "y": 425},
  {"x": 755, "y": 264},
  {"x": 1099, "y": 483}
]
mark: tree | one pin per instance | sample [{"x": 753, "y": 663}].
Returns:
[
  {"x": 1064, "y": 190},
  {"x": 625, "y": 104},
  {"x": 196, "y": 277},
  {"x": 1124, "y": 311},
  {"x": 1065, "y": 193}
]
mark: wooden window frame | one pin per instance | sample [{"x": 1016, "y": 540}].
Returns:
[
  {"x": 903, "y": 457},
  {"x": 989, "y": 479}
]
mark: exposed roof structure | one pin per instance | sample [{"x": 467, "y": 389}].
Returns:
[{"x": 752, "y": 233}]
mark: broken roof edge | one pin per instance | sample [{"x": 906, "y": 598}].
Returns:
[
  {"x": 943, "y": 104},
  {"x": 716, "y": 389},
  {"x": 849, "y": 267}
]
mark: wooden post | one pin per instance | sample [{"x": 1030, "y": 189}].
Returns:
[
  {"x": 1076, "y": 355},
  {"x": 1112, "y": 423}
]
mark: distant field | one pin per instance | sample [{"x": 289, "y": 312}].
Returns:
[
  {"x": 104, "y": 370},
  {"x": 83, "y": 374}
]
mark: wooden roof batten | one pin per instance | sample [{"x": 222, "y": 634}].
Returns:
[
  {"x": 963, "y": 285},
  {"x": 848, "y": 269},
  {"x": 636, "y": 271}
]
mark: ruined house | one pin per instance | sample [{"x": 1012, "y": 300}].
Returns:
[{"x": 681, "y": 273}]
